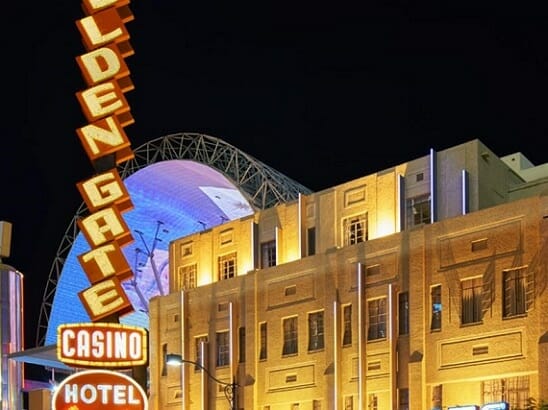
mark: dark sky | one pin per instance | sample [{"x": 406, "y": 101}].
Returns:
[{"x": 322, "y": 94}]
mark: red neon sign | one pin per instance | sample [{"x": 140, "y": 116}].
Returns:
[{"x": 99, "y": 389}]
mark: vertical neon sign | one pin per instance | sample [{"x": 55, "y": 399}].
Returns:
[{"x": 106, "y": 109}]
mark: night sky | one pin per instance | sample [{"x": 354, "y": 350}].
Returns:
[{"x": 321, "y": 94}]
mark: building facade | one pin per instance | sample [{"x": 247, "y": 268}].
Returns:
[{"x": 422, "y": 286}]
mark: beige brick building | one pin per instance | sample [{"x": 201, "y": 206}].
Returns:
[{"x": 421, "y": 286}]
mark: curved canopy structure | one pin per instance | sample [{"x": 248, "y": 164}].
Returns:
[{"x": 179, "y": 184}]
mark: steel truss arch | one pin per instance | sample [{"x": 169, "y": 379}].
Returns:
[{"x": 263, "y": 186}]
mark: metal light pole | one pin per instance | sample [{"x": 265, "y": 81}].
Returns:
[{"x": 230, "y": 389}]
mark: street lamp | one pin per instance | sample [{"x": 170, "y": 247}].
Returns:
[{"x": 230, "y": 389}]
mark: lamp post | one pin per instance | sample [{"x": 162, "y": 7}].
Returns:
[{"x": 230, "y": 389}]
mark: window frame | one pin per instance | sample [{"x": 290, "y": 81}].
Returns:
[
  {"x": 418, "y": 210},
  {"x": 347, "y": 325},
  {"x": 263, "y": 341},
  {"x": 227, "y": 266},
  {"x": 200, "y": 342},
  {"x": 515, "y": 298},
  {"x": 471, "y": 300},
  {"x": 403, "y": 313},
  {"x": 268, "y": 254},
  {"x": 290, "y": 331},
  {"x": 311, "y": 241},
  {"x": 188, "y": 275},
  {"x": 436, "y": 307},
  {"x": 377, "y": 319},
  {"x": 355, "y": 229},
  {"x": 515, "y": 391},
  {"x": 316, "y": 331},
  {"x": 222, "y": 345}
]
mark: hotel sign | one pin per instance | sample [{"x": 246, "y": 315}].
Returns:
[{"x": 99, "y": 389}]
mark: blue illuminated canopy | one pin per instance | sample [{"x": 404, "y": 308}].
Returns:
[{"x": 171, "y": 199}]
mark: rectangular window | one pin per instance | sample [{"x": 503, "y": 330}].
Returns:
[
  {"x": 355, "y": 229},
  {"x": 403, "y": 399},
  {"x": 478, "y": 350},
  {"x": 377, "y": 319},
  {"x": 315, "y": 331},
  {"x": 223, "y": 349},
  {"x": 290, "y": 336},
  {"x": 316, "y": 405},
  {"x": 164, "y": 354},
  {"x": 200, "y": 344},
  {"x": 437, "y": 396},
  {"x": 373, "y": 270},
  {"x": 268, "y": 254},
  {"x": 226, "y": 237},
  {"x": 347, "y": 325},
  {"x": 372, "y": 366},
  {"x": 241, "y": 334},
  {"x": 418, "y": 210},
  {"x": 290, "y": 290},
  {"x": 186, "y": 249},
  {"x": 514, "y": 292},
  {"x": 403, "y": 313},
  {"x": 311, "y": 241},
  {"x": 435, "y": 299},
  {"x": 471, "y": 311},
  {"x": 373, "y": 402},
  {"x": 348, "y": 403},
  {"x": 227, "y": 266},
  {"x": 512, "y": 390},
  {"x": 480, "y": 245},
  {"x": 187, "y": 276},
  {"x": 263, "y": 341}
]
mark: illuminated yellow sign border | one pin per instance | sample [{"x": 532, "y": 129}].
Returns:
[{"x": 100, "y": 334}]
